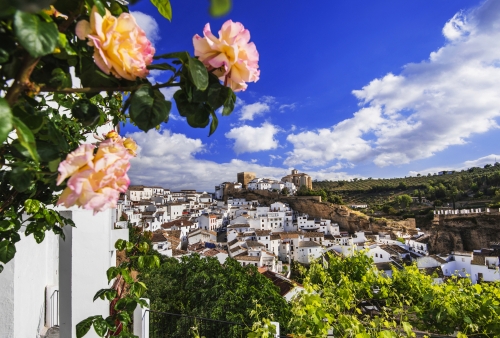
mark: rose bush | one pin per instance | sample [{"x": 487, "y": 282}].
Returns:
[
  {"x": 231, "y": 57},
  {"x": 120, "y": 46}
]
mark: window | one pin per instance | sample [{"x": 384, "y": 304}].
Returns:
[
  {"x": 376, "y": 255},
  {"x": 381, "y": 256},
  {"x": 309, "y": 250}
]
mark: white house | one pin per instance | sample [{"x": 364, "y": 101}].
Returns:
[{"x": 308, "y": 250}]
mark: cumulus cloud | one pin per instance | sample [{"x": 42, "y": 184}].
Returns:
[
  {"x": 250, "y": 111},
  {"x": 148, "y": 25},
  {"x": 169, "y": 160},
  {"x": 480, "y": 162},
  {"x": 426, "y": 108},
  {"x": 249, "y": 139}
]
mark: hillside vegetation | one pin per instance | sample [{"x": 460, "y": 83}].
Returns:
[{"x": 474, "y": 187}]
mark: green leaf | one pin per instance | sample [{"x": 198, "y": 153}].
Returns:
[
  {"x": 6, "y": 225},
  {"x": 148, "y": 107},
  {"x": 127, "y": 304},
  {"x": 164, "y": 8},
  {"x": 183, "y": 56},
  {"x": 120, "y": 244},
  {"x": 126, "y": 276},
  {"x": 53, "y": 165},
  {"x": 47, "y": 152},
  {"x": 5, "y": 120},
  {"x": 100, "y": 294},
  {"x": 124, "y": 317},
  {"x": 39, "y": 236},
  {"x": 20, "y": 178},
  {"x": 85, "y": 112},
  {"x": 39, "y": 38},
  {"x": 229, "y": 104},
  {"x": 27, "y": 115},
  {"x": 198, "y": 73},
  {"x": 32, "y": 206},
  {"x": 31, "y": 6},
  {"x": 162, "y": 66},
  {"x": 101, "y": 9},
  {"x": 111, "y": 273},
  {"x": 7, "y": 251},
  {"x": 59, "y": 231},
  {"x": 197, "y": 114},
  {"x": 4, "y": 56},
  {"x": 219, "y": 7},
  {"x": 25, "y": 137},
  {"x": 92, "y": 76},
  {"x": 60, "y": 78},
  {"x": 214, "y": 124},
  {"x": 84, "y": 326},
  {"x": 217, "y": 94},
  {"x": 140, "y": 261},
  {"x": 100, "y": 326},
  {"x": 143, "y": 247}
]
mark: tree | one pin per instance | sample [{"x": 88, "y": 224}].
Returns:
[
  {"x": 404, "y": 200},
  {"x": 285, "y": 191},
  {"x": 203, "y": 287}
]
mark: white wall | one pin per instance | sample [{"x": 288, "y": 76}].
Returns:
[
  {"x": 23, "y": 282},
  {"x": 86, "y": 254}
]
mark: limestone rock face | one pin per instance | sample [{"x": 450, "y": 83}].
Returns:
[{"x": 463, "y": 233}]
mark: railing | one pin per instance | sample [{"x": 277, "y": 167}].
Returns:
[
  {"x": 54, "y": 306},
  {"x": 164, "y": 324}
]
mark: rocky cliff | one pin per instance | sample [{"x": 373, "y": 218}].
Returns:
[{"x": 463, "y": 233}]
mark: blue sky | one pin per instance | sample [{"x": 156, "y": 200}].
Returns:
[{"x": 356, "y": 88}]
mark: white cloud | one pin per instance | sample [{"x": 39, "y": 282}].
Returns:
[
  {"x": 480, "y": 162},
  {"x": 148, "y": 25},
  {"x": 250, "y": 111},
  {"x": 169, "y": 92},
  {"x": 252, "y": 139},
  {"x": 290, "y": 106},
  {"x": 430, "y": 106},
  {"x": 342, "y": 141},
  {"x": 168, "y": 159}
]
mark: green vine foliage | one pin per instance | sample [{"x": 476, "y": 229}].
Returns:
[
  {"x": 44, "y": 117},
  {"x": 348, "y": 297}
]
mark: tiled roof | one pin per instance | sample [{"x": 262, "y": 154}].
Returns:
[
  {"x": 438, "y": 259},
  {"x": 284, "y": 284},
  {"x": 313, "y": 234},
  {"x": 177, "y": 222},
  {"x": 308, "y": 244},
  {"x": 177, "y": 252},
  {"x": 158, "y": 237},
  {"x": 247, "y": 258},
  {"x": 262, "y": 232},
  {"x": 254, "y": 244}
]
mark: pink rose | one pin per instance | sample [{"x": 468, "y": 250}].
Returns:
[
  {"x": 233, "y": 57},
  {"x": 96, "y": 180},
  {"x": 120, "y": 46}
]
